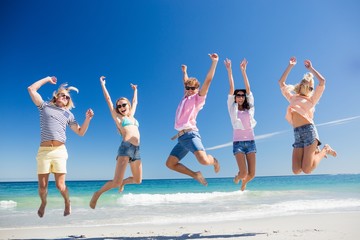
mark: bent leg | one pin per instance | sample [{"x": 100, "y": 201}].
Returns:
[
  {"x": 251, "y": 165},
  {"x": 61, "y": 186},
  {"x": 312, "y": 157},
  {"x": 297, "y": 158},
  {"x": 207, "y": 159},
  {"x": 43, "y": 180},
  {"x": 136, "y": 170},
  {"x": 240, "y": 160},
  {"x": 174, "y": 164},
  {"x": 117, "y": 181}
]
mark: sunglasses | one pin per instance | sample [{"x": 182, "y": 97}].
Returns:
[
  {"x": 310, "y": 88},
  {"x": 190, "y": 88},
  {"x": 64, "y": 95},
  {"x": 240, "y": 95},
  {"x": 121, "y": 105}
]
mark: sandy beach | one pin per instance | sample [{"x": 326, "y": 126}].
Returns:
[{"x": 310, "y": 226}]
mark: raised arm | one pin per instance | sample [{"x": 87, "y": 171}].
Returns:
[
  {"x": 81, "y": 130},
  {"x": 33, "y": 89},
  {"x": 309, "y": 66},
  {"x": 185, "y": 75},
  {"x": 134, "y": 100},
  {"x": 243, "y": 65},
  {"x": 205, "y": 87},
  {"x": 284, "y": 76},
  {"x": 107, "y": 97},
  {"x": 227, "y": 63}
]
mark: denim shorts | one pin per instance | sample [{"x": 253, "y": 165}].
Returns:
[
  {"x": 305, "y": 135},
  {"x": 190, "y": 141},
  {"x": 244, "y": 147},
  {"x": 129, "y": 150}
]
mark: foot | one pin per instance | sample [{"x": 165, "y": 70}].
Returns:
[
  {"x": 41, "y": 210},
  {"x": 200, "y": 178},
  {"x": 318, "y": 150},
  {"x": 243, "y": 185},
  {"x": 67, "y": 210},
  {"x": 329, "y": 150},
  {"x": 216, "y": 165},
  {"x": 121, "y": 188},
  {"x": 93, "y": 200},
  {"x": 236, "y": 179}
]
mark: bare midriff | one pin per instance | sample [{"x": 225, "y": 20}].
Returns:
[
  {"x": 51, "y": 143},
  {"x": 298, "y": 120}
]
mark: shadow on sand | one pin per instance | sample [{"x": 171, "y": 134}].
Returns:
[{"x": 181, "y": 237}]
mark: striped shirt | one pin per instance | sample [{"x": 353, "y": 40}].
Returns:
[{"x": 53, "y": 122}]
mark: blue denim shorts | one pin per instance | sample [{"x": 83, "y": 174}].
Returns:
[
  {"x": 129, "y": 150},
  {"x": 305, "y": 135},
  {"x": 244, "y": 147},
  {"x": 190, "y": 141}
]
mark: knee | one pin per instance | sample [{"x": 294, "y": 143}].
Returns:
[
  {"x": 171, "y": 162},
  {"x": 205, "y": 159},
  {"x": 307, "y": 170},
  {"x": 137, "y": 181},
  {"x": 61, "y": 187},
  {"x": 42, "y": 189}
]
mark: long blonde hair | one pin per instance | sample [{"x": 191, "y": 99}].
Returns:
[
  {"x": 63, "y": 89},
  {"x": 122, "y": 98},
  {"x": 308, "y": 78}
]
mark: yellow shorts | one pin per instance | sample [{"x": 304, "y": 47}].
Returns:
[{"x": 51, "y": 159}]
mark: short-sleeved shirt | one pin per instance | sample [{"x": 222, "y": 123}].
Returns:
[
  {"x": 53, "y": 122},
  {"x": 303, "y": 105},
  {"x": 187, "y": 112}
]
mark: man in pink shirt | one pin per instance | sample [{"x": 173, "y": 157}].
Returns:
[{"x": 188, "y": 135}]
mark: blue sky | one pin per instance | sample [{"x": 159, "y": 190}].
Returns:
[{"x": 145, "y": 43}]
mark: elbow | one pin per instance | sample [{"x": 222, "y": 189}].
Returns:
[{"x": 30, "y": 89}]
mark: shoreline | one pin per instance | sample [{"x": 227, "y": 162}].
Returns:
[{"x": 342, "y": 225}]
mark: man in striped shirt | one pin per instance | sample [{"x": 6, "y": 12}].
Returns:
[{"x": 52, "y": 155}]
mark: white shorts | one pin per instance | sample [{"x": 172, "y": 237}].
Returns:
[{"x": 51, "y": 159}]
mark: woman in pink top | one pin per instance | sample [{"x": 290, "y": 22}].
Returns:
[
  {"x": 241, "y": 110},
  {"x": 188, "y": 135},
  {"x": 300, "y": 113}
]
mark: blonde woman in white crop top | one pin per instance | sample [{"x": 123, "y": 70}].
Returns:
[{"x": 300, "y": 113}]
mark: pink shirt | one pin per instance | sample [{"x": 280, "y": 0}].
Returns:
[
  {"x": 187, "y": 112},
  {"x": 305, "y": 106},
  {"x": 247, "y": 133}
]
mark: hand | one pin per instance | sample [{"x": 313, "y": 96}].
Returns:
[
  {"x": 227, "y": 63},
  {"x": 134, "y": 87},
  {"x": 292, "y": 61},
  {"x": 243, "y": 64},
  {"x": 214, "y": 57},
  {"x": 89, "y": 113},
  {"x": 307, "y": 64},
  {"x": 53, "y": 80},
  {"x": 183, "y": 68},
  {"x": 102, "y": 80}
]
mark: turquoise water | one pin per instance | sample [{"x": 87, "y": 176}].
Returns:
[{"x": 181, "y": 200}]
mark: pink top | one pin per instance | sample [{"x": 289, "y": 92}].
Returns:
[
  {"x": 247, "y": 133},
  {"x": 305, "y": 106},
  {"x": 187, "y": 111}
]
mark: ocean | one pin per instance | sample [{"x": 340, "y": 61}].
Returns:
[{"x": 177, "y": 201}]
